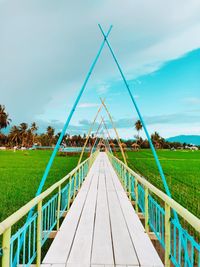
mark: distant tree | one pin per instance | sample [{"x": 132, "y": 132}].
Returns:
[
  {"x": 50, "y": 134},
  {"x": 23, "y": 127},
  {"x": 4, "y": 117},
  {"x": 14, "y": 136},
  {"x": 3, "y": 139},
  {"x": 138, "y": 127},
  {"x": 33, "y": 129},
  {"x": 158, "y": 141}
]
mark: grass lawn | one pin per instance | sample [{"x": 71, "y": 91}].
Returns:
[
  {"x": 21, "y": 172},
  {"x": 182, "y": 170}
]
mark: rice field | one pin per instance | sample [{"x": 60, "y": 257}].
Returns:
[
  {"x": 182, "y": 170},
  {"x": 21, "y": 172}
]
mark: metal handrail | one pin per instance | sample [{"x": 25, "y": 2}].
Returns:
[
  {"x": 165, "y": 227},
  {"x": 184, "y": 213},
  {"x": 6, "y": 225}
]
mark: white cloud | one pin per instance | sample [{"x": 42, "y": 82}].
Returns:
[
  {"x": 102, "y": 89},
  {"x": 47, "y": 47},
  {"x": 88, "y": 105}
]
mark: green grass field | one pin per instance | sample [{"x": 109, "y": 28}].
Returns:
[
  {"x": 20, "y": 174},
  {"x": 182, "y": 170}
]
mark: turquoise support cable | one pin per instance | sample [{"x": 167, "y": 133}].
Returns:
[{"x": 57, "y": 146}]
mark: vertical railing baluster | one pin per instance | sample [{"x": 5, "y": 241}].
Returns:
[
  {"x": 125, "y": 179},
  {"x": 58, "y": 208},
  {"x": 167, "y": 235},
  {"x": 79, "y": 178},
  {"x": 74, "y": 193},
  {"x": 39, "y": 234},
  {"x": 136, "y": 195},
  {"x": 146, "y": 209},
  {"x": 6, "y": 248},
  {"x": 82, "y": 173},
  {"x": 69, "y": 193},
  {"x": 129, "y": 185}
]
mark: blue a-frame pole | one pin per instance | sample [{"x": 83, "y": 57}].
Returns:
[
  {"x": 140, "y": 116},
  {"x": 48, "y": 167},
  {"x": 57, "y": 146},
  {"x": 147, "y": 135}
]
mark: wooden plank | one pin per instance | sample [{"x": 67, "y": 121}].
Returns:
[
  {"x": 145, "y": 250},
  {"x": 60, "y": 248},
  {"x": 102, "y": 251},
  {"x": 101, "y": 223},
  {"x": 124, "y": 252},
  {"x": 81, "y": 249},
  {"x": 109, "y": 182},
  {"x": 77, "y": 265}
]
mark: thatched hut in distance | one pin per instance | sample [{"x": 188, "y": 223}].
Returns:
[{"x": 135, "y": 147}]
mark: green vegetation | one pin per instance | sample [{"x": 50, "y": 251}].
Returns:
[
  {"x": 20, "y": 174},
  {"x": 182, "y": 170}
]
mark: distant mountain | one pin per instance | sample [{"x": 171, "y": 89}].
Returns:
[{"x": 188, "y": 139}]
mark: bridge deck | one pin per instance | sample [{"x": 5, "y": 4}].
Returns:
[{"x": 101, "y": 227}]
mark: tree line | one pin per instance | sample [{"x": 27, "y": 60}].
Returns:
[{"x": 24, "y": 135}]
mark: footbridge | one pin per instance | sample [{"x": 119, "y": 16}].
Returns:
[
  {"x": 102, "y": 213},
  {"x": 93, "y": 215}
]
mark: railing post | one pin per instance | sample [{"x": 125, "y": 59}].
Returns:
[
  {"x": 69, "y": 192},
  {"x": 124, "y": 178},
  {"x": 75, "y": 177},
  {"x": 136, "y": 196},
  {"x": 129, "y": 185},
  {"x": 79, "y": 177},
  {"x": 6, "y": 248},
  {"x": 39, "y": 234},
  {"x": 82, "y": 172},
  {"x": 58, "y": 208},
  {"x": 146, "y": 209},
  {"x": 167, "y": 235}
]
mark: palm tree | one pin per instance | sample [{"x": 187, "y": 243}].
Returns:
[
  {"x": 157, "y": 140},
  {"x": 14, "y": 135},
  {"x": 4, "y": 118},
  {"x": 50, "y": 134},
  {"x": 23, "y": 132},
  {"x": 138, "y": 127},
  {"x": 33, "y": 129},
  {"x": 29, "y": 138}
]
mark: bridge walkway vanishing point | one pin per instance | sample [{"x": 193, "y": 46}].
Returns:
[{"x": 101, "y": 227}]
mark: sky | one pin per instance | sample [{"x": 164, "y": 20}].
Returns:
[{"x": 47, "y": 47}]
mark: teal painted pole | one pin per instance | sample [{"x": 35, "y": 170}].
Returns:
[
  {"x": 147, "y": 135},
  {"x": 140, "y": 116},
  {"x": 57, "y": 146},
  {"x": 48, "y": 167}
]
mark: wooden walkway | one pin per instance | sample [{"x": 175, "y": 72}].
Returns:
[{"x": 101, "y": 227}]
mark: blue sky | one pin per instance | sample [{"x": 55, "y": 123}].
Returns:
[{"x": 47, "y": 46}]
